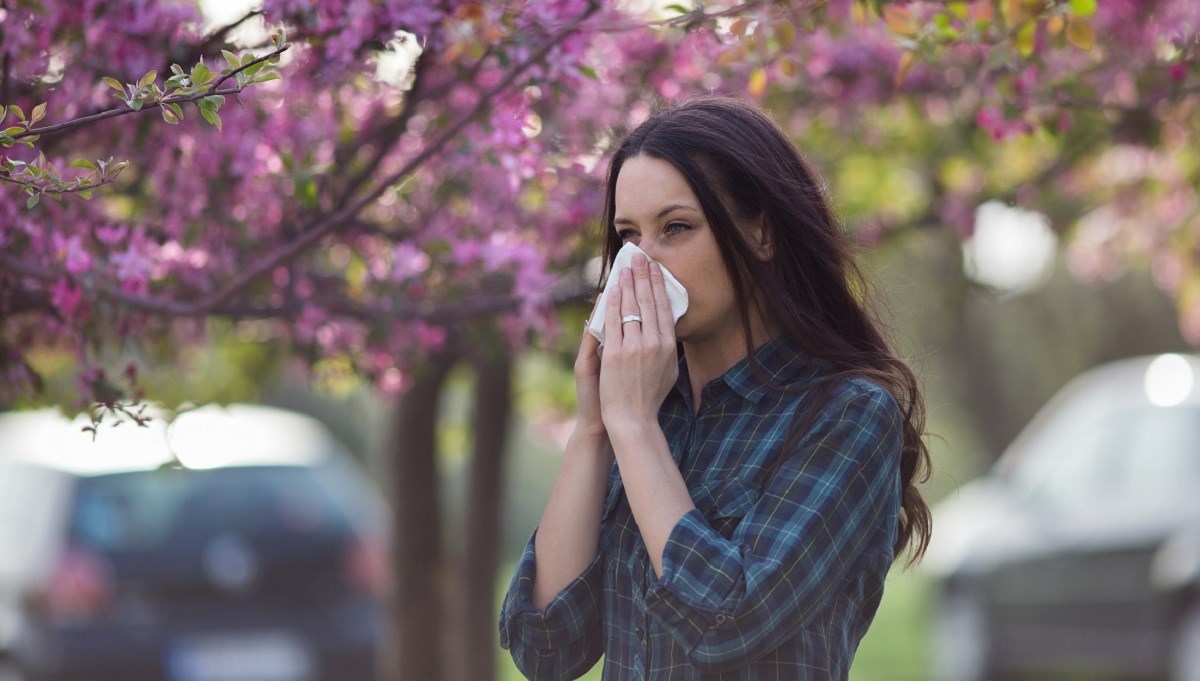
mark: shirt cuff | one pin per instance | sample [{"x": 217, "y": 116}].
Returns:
[
  {"x": 701, "y": 577},
  {"x": 566, "y": 616}
]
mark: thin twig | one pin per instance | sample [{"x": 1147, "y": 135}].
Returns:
[{"x": 122, "y": 111}]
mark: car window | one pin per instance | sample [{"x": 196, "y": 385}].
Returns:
[
  {"x": 1081, "y": 472},
  {"x": 1163, "y": 459},
  {"x": 166, "y": 509},
  {"x": 1137, "y": 458}
]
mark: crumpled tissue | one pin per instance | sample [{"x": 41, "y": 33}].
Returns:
[{"x": 676, "y": 293}]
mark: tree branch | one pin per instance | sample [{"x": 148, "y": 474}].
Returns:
[
  {"x": 122, "y": 111},
  {"x": 574, "y": 290},
  {"x": 318, "y": 228}
]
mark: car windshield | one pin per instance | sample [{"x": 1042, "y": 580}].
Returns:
[{"x": 164, "y": 510}]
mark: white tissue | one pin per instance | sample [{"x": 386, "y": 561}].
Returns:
[{"x": 676, "y": 293}]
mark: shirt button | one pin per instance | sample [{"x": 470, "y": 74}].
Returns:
[
  {"x": 722, "y": 618},
  {"x": 640, "y": 633}
]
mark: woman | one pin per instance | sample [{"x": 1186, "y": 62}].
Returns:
[{"x": 728, "y": 507}]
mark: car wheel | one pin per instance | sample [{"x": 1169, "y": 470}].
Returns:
[
  {"x": 961, "y": 645},
  {"x": 1185, "y": 658}
]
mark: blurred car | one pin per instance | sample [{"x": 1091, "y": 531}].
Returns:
[
  {"x": 1080, "y": 551},
  {"x": 238, "y": 543}
]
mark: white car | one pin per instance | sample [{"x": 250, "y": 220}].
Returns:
[{"x": 1080, "y": 552}]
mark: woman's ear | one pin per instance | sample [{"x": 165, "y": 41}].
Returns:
[{"x": 760, "y": 238}]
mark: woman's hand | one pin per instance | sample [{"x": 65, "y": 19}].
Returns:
[
  {"x": 640, "y": 359},
  {"x": 588, "y": 422}
]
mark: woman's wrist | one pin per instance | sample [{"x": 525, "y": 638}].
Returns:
[
  {"x": 589, "y": 442},
  {"x": 632, "y": 431}
]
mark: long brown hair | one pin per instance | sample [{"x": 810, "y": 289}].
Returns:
[{"x": 740, "y": 166}]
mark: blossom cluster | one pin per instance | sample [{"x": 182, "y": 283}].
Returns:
[{"x": 358, "y": 214}]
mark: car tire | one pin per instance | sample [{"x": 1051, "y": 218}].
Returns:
[
  {"x": 961, "y": 638},
  {"x": 1185, "y": 654}
]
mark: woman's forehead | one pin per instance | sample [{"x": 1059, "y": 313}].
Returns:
[{"x": 646, "y": 185}]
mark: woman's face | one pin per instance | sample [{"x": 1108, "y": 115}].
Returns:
[{"x": 656, "y": 210}]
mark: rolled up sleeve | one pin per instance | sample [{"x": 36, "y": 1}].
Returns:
[
  {"x": 731, "y": 601},
  {"x": 563, "y": 641}
]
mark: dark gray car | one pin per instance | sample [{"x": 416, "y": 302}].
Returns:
[
  {"x": 239, "y": 544},
  {"x": 1080, "y": 552}
]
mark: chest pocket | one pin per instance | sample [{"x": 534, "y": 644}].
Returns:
[{"x": 724, "y": 503}]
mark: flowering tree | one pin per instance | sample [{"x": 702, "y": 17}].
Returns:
[{"x": 422, "y": 164}]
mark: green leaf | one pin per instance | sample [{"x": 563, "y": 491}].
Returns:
[
  {"x": 589, "y": 72},
  {"x": 177, "y": 69},
  {"x": 266, "y": 77},
  {"x": 255, "y": 68},
  {"x": 678, "y": 8},
  {"x": 16, "y": 111},
  {"x": 38, "y": 113},
  {"x": 85, "y": 193},
  {"x": 231, "y": 59},
  {"x": 200, "y": 74},
  {"x": 176, "y": 108},
  {"x": 13, "y": 130},
  {"x": 214, "y": 102},
  {"x": 135, "y": 104},
  {"x": 212, "y": 117},
  {"x": 175, "y": 81},
  {"x": 148, "y": 79},
  {"x": 169, "y": 116},
  {"x": 1083, "y": 8},
  {"x": 83, "y": 163},
  {"x": 32, "y": 201}
]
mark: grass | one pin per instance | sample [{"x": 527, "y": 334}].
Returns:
[{"x": 894, "y": 649}]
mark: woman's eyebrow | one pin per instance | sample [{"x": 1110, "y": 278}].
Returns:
[{"x": 666, "y": 209}]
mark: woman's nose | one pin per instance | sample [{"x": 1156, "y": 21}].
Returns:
[{"x": 649, "y": 248}]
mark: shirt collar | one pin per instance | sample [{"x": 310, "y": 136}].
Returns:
[{"x": 780, "y": 361}]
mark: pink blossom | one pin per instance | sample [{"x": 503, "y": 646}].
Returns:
[
  {"x": 70, "y": 250},
  {"x": 67, "y": 298}
]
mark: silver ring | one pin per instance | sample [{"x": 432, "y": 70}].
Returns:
[{"x": 630, "y": 318}]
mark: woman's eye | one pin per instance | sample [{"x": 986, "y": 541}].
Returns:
[
  {"x": 626, "y": 234},
  {"x": 676, "y": 227}
]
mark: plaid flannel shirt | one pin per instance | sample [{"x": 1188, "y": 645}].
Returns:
[{"x": 773, "y": 582}]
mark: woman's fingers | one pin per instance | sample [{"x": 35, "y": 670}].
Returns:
[
  {"x": 662, "y": 303},
  {"x": 644, "y": 294},
  {"x": 629, "y": 306},
  {"x": 612, "y": 314},
  {"x": 588, "y": 350}
]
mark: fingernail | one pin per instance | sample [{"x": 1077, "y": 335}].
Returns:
[
  {"x": 654, "y": 266},
  {"x": 639, "y": 259},
  {"x": 626, "y": 274}
]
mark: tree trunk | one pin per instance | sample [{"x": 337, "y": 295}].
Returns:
[
  {"x": 416, "y": 540},
  {"x": 477, "y": 642}
]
